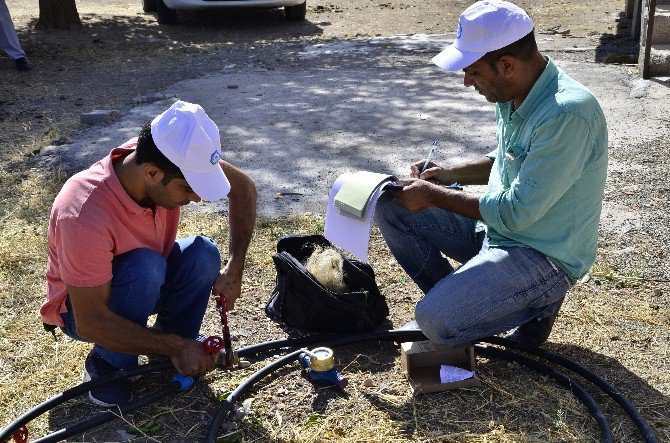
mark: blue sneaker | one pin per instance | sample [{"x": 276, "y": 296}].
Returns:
[{"x": 116, "y": 393}]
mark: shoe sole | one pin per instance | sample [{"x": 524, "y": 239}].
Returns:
[{"x": 85, "y": 377}]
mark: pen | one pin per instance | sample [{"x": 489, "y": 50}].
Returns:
[{"x": 431, "y": 154}]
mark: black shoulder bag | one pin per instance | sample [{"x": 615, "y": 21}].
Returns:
[{"x": 300, "y": 301}]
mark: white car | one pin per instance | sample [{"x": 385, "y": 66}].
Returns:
[{"x": 166, "y": 10}]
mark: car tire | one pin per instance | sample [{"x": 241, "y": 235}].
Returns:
[
  {"x": 297, "y": 12},
  {"x": 149, "y": 5},
  {"x": 165, "y": 15}
]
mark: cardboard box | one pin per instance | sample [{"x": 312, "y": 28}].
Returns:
[{"x": 421, "y": 363}]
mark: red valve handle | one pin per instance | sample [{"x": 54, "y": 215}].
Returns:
[
  {"x": 21, "y": 436},
  {"x": 213, "y": 344}
]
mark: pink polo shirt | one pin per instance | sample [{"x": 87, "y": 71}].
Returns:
[{"x": 93, "y": 220}]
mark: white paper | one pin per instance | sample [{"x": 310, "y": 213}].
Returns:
[
  {"x": 348, "y": 231},
  {"x": 450, "y": 374}
]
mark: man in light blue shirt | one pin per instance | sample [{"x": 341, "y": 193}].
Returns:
[{"x": 533, "y": 233}]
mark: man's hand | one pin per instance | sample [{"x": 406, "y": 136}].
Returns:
[
  {"x": 97, "y": 323},
  {"x": 192, "y": 359},
  {"x": 434, "y": 173},
  {"x": 229, "y": 285},
  {"x": 417, "y": 194},
  {"x": 475, "y": 172}
]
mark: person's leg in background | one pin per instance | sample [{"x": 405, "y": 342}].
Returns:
[{"x": 9, "y": 41}]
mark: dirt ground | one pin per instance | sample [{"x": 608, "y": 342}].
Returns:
[
  {"x": 121, "y": 52},
  {"x": 617, "y": 322}
]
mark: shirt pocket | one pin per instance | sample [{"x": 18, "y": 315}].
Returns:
[{"x": 512, "y": 162}]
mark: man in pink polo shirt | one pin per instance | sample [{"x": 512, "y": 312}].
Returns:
[{"x": 114, "y": 258}]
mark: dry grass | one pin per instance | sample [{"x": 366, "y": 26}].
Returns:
[
  {"x": 617, "y": 323},
  {"x": 610, "y": 325}
]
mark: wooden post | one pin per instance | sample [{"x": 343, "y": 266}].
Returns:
[{"x": 647, "y": 20}]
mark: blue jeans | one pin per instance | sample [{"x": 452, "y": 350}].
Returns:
[
  {"x": 495, "y": 289},
  {"x": 145, "y": 283}
]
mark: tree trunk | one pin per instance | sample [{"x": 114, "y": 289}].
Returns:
[{"x": 59, "y": 14}]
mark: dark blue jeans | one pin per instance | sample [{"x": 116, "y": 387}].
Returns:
[
  {"x": 145, "y": 283},
  {"x": 495, "y": 289}
]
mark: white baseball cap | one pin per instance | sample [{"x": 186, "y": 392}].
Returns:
[
  {"x": 484, "y": 27},
  {"x": 190, "y": 139}
]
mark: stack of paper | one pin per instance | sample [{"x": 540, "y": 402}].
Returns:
[{"x": 351, "y": 206}]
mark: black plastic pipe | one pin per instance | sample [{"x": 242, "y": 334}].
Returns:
[
  {"x": 109, "y": 415},
  {"x": 577, "y": 368},
  {"x": 581, "y": 393},
  {"x": 229, "y": 402},
  {"x": 332, "y": 340},
  {"x": 9, "y": 430},
  {"x": 416, "y": 335}
]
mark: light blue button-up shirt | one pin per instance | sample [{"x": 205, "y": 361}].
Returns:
[{"x": 547, "y": 183}]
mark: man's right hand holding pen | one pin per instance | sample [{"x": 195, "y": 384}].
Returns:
[
  {"x": 470, "y": 173},
  {"x": 431, "y": 185}
]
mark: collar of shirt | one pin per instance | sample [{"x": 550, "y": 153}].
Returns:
[
  {"x": 115, "y": 185},
  {"x": 537, "y": 91}
]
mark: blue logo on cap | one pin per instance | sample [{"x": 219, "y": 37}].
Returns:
[
  {"x": 216, "y": 155},
  {"x": 459, "y": 30}
]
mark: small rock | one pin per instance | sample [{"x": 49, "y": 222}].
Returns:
[
  {"x": 639, "y": 88},
  {"x": 558, "y": 30},
  {"x": 150, "y": 98},
  {"x": 243, "y": 364},
  {"x": 98, "y": 116},
  {"x": 656, "y": 292},
  {"x": 50, "y": 150},
  {"x": 60, "y": 141},
  {"x": 239, "y": 412},
  {"x": 625, "y": 251},
  {"x": 233, "y": 86},
  {"x": 368, "y": 383},
  {"x": 246, "y": 404}
]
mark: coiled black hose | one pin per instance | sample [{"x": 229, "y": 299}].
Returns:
[
  {"x": 573, "y": 386},
  {"x": 326, "y": 339},
  {"x": 229, "y": 402},
  {"x": 413, "y": 335},
  {"x": 577, "y": 368},
  {"x": 75, "y": 391}
]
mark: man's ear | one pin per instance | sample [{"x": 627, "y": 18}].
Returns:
[
  {"x": 152, "y": 173},
  {"x": 506, "y": 66}
]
